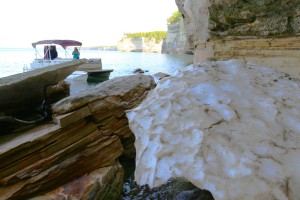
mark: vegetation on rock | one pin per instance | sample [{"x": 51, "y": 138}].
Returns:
[
  {"x": 157, "y": 35},
  {"x": 261, "y": 18},
  {"x": 176, "y": 16}
]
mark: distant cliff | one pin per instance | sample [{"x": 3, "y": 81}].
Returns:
[
  {"x": 139, "y": 45},
  {"x": 142, "y": 42},
  {"x": 176, "y": 40},
  {"x": 104, "y": 48}
]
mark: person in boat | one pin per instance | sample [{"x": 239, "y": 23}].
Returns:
[
  {"x": 53, "y": 52},
  {"x": 76, "y": 53}
]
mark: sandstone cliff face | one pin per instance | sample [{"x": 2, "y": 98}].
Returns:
[
  {"x": 176, "y": 41},
  {"x": 265, "y": 31},
  {"x": 139, "y": 45}
]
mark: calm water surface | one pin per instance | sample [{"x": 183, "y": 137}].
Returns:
[{"x": 12, "y": 61}]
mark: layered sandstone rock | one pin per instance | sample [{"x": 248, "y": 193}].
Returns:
[
  {"x": 265, "y": 32},
  {"x": 231, "y": 127},
  {"x": 107, "y": 103},
  {"x": 48, "y": 156},
  {"x": 91, "y": 132},
  {"x": 103, "y": 183}
]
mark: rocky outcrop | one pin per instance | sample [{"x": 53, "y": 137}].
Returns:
[
  {"x": 48, "y": 156},
  {"x": 103, "y": 183},
  {"x": 139, "y": 45},
  {"x": 107, "y": 103},
  {"x": 90, "y": 132},
  {"x": 176, "y": 40},
  {"x": 130, "y": 45},
  {"x": 174, "y": 43},
  {"x": 26, "y": 91},
  {"x": 265, "y": 32},
  {"x": 174, "y": 189},
  {"x": 229, "y": 127}
]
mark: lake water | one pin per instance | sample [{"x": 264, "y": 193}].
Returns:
[{"x": 13, "y": 60}]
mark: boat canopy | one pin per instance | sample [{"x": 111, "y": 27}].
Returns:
[{"x": 63, "y": 43}]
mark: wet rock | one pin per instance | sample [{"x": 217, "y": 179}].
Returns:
[
  {"x": 160, "y": 75},
  {"x": 195, "y": 194},
  {"x": 139, "y": 71},
  {"x": 176, "y": 189}
]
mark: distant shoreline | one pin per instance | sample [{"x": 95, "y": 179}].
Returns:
[{"x": 108, "y": 48}]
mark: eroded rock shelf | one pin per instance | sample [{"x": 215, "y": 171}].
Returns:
[{"x": 80, "y": 150}]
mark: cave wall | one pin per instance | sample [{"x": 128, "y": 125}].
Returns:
[{"x": 266, "y": 32}]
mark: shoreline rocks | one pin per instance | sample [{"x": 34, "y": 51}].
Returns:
[
  {"x": 91, "y": 133},
  {"x": 26, "y": 91}
]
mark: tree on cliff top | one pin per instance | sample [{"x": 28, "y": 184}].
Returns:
[
  {"x": 176, "y": 16},
  {"x": 157, "y": 35}
]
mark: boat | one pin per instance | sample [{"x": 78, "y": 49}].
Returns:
[
  {"x": 26, "y": 97},
  {"x": 93, "y": 66}
]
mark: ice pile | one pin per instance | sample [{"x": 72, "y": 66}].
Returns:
[{"x": 229, "y": 127}]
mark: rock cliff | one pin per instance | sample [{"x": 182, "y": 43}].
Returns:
[
  {"x": 176, "y": 40},
  {"x": 266, "y": 31},
  {"x": 139, "y": 45}
]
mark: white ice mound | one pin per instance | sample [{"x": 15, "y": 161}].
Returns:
[{"x": 228, "y": 127}]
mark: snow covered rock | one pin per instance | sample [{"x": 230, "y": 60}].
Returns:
[{"x": 229, "y": 127}]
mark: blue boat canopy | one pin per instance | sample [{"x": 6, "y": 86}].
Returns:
[{"x": 63, "y": 43}]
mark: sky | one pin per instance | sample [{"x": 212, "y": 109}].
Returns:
[{"x": 92, "y": 22}]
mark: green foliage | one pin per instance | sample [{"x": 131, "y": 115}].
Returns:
[
  {"x": 157, "y": 35},
  {"x": 175, "y": 17}
]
